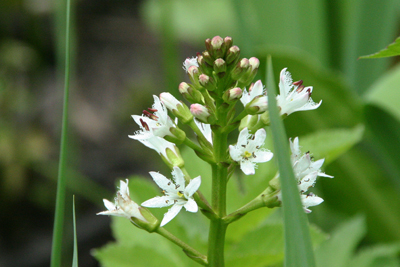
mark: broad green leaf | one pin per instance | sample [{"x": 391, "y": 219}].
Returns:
[
  {"x": 298, "y": 248},
  {"x": 390, "y": 51},
  {"x": 385, "y": 92},
  {"x": 264, "y": 246},
  {"x": 330, "y": 144},
  {"x": 123, "y": 255},
  {"x": 361, "y": 184},
  {"x": 337, "y": 250},
  {"x": 378, "y": 255},
  {"x": 383, "y": 140}
]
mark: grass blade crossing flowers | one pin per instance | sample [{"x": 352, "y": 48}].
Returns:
[{"x": 298, "y": 248}]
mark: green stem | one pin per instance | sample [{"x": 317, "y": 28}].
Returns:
[
  {"x": 190, "y": 252},
  {"x": 193, "y": 145},
  {"x": 216, "y": 239},
  {"x": 268, "y": 198}
]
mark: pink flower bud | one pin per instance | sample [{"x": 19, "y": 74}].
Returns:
[{"x": 200, "y": 112}]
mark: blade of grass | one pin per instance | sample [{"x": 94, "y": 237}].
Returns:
[
  {"x": 75, "y": 255},
  {"x": 298, "y": 247},
  {"x": 60, "y": 198}
]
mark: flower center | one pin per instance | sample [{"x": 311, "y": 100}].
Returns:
[
  {"x": 247, "y": 154},
  {"x": 180, "y": 194}
]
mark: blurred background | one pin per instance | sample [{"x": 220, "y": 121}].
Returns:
[{"x": 125, "y": 51}]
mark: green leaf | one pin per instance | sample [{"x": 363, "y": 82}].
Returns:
[
  {"x": 378, "y": 255},
  {"x": 298, "y": 248},
  {"x": 337, "y": 250},
  {"x": 264, "y": 246},
  {"x": 385, "y": 92},
  {"x": 330, "y": 144},
  {"x": 124, "y": 255},
  {"x": 390, "y": 51},
  {"x": 381, "y": 140}
]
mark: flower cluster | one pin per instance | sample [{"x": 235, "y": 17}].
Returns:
[{"x": 219, "y": 79}]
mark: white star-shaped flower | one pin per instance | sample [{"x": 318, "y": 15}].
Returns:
[
  {"x": 176, "y": 194},
  {"x": 248, "y": 150},
  {"x": 306, "y": 171},
  {"x": 157, "y": 123},
  {"x": 256, "y": 90},
  {"x": 190, "y": 62},
  {"x": 124, "y": 206},
  {"x": 294, "y": 96}
]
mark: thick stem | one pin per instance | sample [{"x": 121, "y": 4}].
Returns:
[{"x": 216, "y": 239}]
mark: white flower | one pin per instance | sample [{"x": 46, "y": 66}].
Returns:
[
  {"x": 248, "y": 150},
  {"x": 205, "y": 129},
  {"x": 124, "y": 206},
  {"x": 157, "y": 123},
  {"x": 255, "y": 90},
  {"x": 159, "y": 144},
  {"x": 306, "y": 171},
  {"x": 294, "y": 96},
  {"x": 176, "y": 194},
  {"x": 190, "y": 62},
  {"x": 170, "y": 101}
]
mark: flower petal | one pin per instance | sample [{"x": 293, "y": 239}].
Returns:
[
  {"x": 172, "y": 212},
  {"x": 163, "y": 182},
  {"x": 109, "y": 205},
  {"x": 179, "y": 178},
  {"x": 192, "y": 187},
  {"x": 247, "y": 167},
  {"x": 158, "y": 202},
  {"x": 191, "y": 205},
  {"x": 262, "y": 156}
]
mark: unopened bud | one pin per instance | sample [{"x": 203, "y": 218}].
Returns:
[
  {"x": 219, "y": 66},
  {"x": 218, "y": 47},
  {"x": 251, "y": 72},
  {"x": 254, "y": 63},
  {"x": 207, "y": 82},
  {"x": 232, "y": 95},
  {"x": 228, "y": 42},
  {"x": 170, "y": 101},
  {"x": 200, "y": 112},
  {"x": 194, "y": 73},
  {"x": 232, "y": 55},
  {"x": 203, "y": 65},
  {"x": 207, "y": 57},
  {"x": 179, "y": 109},
  {"x": 190, "y": 94},
  {"x": 240, "y": 69}
]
